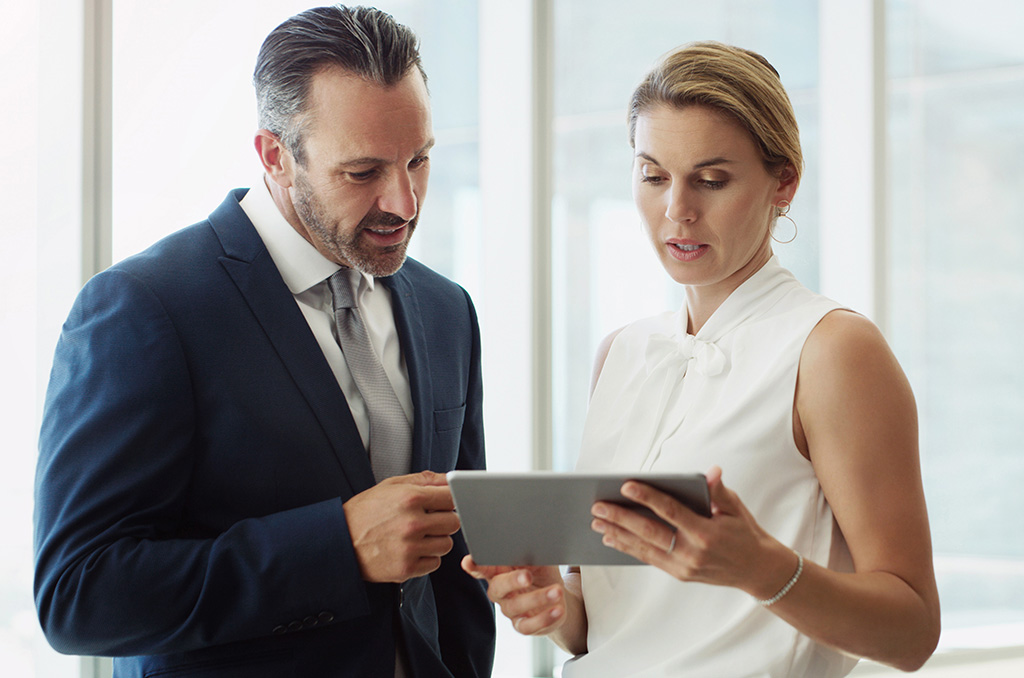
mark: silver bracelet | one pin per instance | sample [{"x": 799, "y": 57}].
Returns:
[{"x": 789, "y": 584}]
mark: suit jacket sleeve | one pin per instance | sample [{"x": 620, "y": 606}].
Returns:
[{"x": 118, "y": 571}]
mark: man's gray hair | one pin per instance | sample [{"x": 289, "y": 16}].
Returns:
[{"x": 365, "y": 41}]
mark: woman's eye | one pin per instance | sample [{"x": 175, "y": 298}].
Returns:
[
  {"x": 714, "y": 185},
  {"x": 651, "y": 178}
]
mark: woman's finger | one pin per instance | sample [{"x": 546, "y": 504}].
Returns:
[
  {"x": 664, "y": 505},
  {"x": 723, "y": 500},
  {"x": 531, "y": 603},
  {"x": 541, "y": 623},
  {"x": 658, "y": 532},
  {"x": 640, "y": 547},
  {"x": 518, "y": 582},
  {"x": 482, "y": 571}
]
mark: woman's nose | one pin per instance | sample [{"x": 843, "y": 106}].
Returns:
[{"x": 681, "y": 205}]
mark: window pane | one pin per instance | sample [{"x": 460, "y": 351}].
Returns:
[
  {"x": 184, "y": 110},
  {"x": 34, "y": 264},
  {"x": 956, "y": 138},
  {"x": 185, "y": 113}
]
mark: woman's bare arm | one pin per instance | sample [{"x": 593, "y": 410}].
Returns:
[{"x": 857, "y": 421}]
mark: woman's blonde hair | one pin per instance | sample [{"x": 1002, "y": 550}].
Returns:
[{"x": 733, "y": 80}]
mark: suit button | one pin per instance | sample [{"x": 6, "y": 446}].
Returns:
[
  {"x": 325, "y": 617},
  {"x": 280, "y": 630},
  {"x": 295, "y": 626},
  {"x": 401, "y": 596},
  {"x": 309, "y": 622}
]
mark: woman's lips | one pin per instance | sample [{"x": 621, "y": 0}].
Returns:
[{"x": 686, "y": 250}]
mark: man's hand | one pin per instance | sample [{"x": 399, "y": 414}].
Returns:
[{"x": 401, "y": 527}]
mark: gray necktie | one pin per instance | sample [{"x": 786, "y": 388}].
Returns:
[{"x": 390, "y": 444}]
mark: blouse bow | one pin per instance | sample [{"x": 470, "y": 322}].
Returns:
[{"x": 672, "y": 353}]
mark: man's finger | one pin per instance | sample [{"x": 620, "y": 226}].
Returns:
[
  {"x": 423, "y": 478},
  {"x": 440, "y": 524},
  {"x": 437, "y": 498},
  {"x": 434, "y": 546}
]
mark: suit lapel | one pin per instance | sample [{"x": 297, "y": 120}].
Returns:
[
  {"x": 409, "y": 323},
  {"x": 251, "y": 268}
]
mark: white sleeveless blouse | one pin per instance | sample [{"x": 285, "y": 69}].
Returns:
[{"x": 667, "y": 401}]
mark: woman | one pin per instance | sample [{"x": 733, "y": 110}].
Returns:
[{"x": 818, "y": 551}]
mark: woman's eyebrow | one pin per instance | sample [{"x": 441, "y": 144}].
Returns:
[
  {"x": 712, "y": 161},
  {"x": 700, "y": 165}
]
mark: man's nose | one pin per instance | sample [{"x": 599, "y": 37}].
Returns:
[{"x": 399, "y": 197}]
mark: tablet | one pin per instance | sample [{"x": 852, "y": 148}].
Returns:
[{"x": 543, "y": 517}]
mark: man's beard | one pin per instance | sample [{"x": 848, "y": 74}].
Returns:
[{"x": 350, "y": 248}]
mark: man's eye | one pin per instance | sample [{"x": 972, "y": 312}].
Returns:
[{"x": 362, "y": 176}]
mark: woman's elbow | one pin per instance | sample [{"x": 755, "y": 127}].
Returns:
[{"x": 919, "y": 648}]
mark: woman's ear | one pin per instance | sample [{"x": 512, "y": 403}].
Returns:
[
  {"x": 278, "y": 163},
  {"x": 789, "y": 180}
]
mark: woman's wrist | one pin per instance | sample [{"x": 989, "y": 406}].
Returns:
[
  {"x": 768, "y": 602},
  {"x": 777, "y": 570},
  {"x": 571, "y": 635}
]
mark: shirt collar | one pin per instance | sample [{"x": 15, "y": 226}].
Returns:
[{"x": 301, "y": 265}]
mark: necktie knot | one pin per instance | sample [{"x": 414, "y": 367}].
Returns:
[{"x": 340, "y": 285}]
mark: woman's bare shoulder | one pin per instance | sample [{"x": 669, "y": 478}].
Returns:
[
  {"x": 601, "y": 355},
  {"x": 843, "y": 336}
]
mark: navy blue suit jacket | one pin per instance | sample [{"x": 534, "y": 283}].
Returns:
[{"x": 194, "y": 456}]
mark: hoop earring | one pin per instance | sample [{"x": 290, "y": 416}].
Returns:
[{"x": 782, "y": 211}]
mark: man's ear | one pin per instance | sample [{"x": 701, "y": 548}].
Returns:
[{"x": 278, "y": 163}]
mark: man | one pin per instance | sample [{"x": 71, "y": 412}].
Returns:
[{"x": 224, "y": 484}]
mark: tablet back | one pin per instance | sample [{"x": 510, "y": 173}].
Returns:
[{"x": 543, "y": 517}]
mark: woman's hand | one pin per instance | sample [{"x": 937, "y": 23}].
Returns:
[
  {"x": 728, "y": 549},
  {"x": 538, "y": 601},
  {"x": 532, "y": 597}
]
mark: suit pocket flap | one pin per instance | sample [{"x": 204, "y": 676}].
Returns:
[{"x": 448, "y": 420}]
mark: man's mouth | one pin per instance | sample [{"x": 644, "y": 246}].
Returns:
[{"x": 386, "y": 231}]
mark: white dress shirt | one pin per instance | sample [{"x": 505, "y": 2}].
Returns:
[{"x": 305, "y": 272}]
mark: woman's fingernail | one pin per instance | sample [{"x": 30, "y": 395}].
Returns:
[
  {"x": 631, "y": 491},
  {"x": 599, "y": 510}
]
